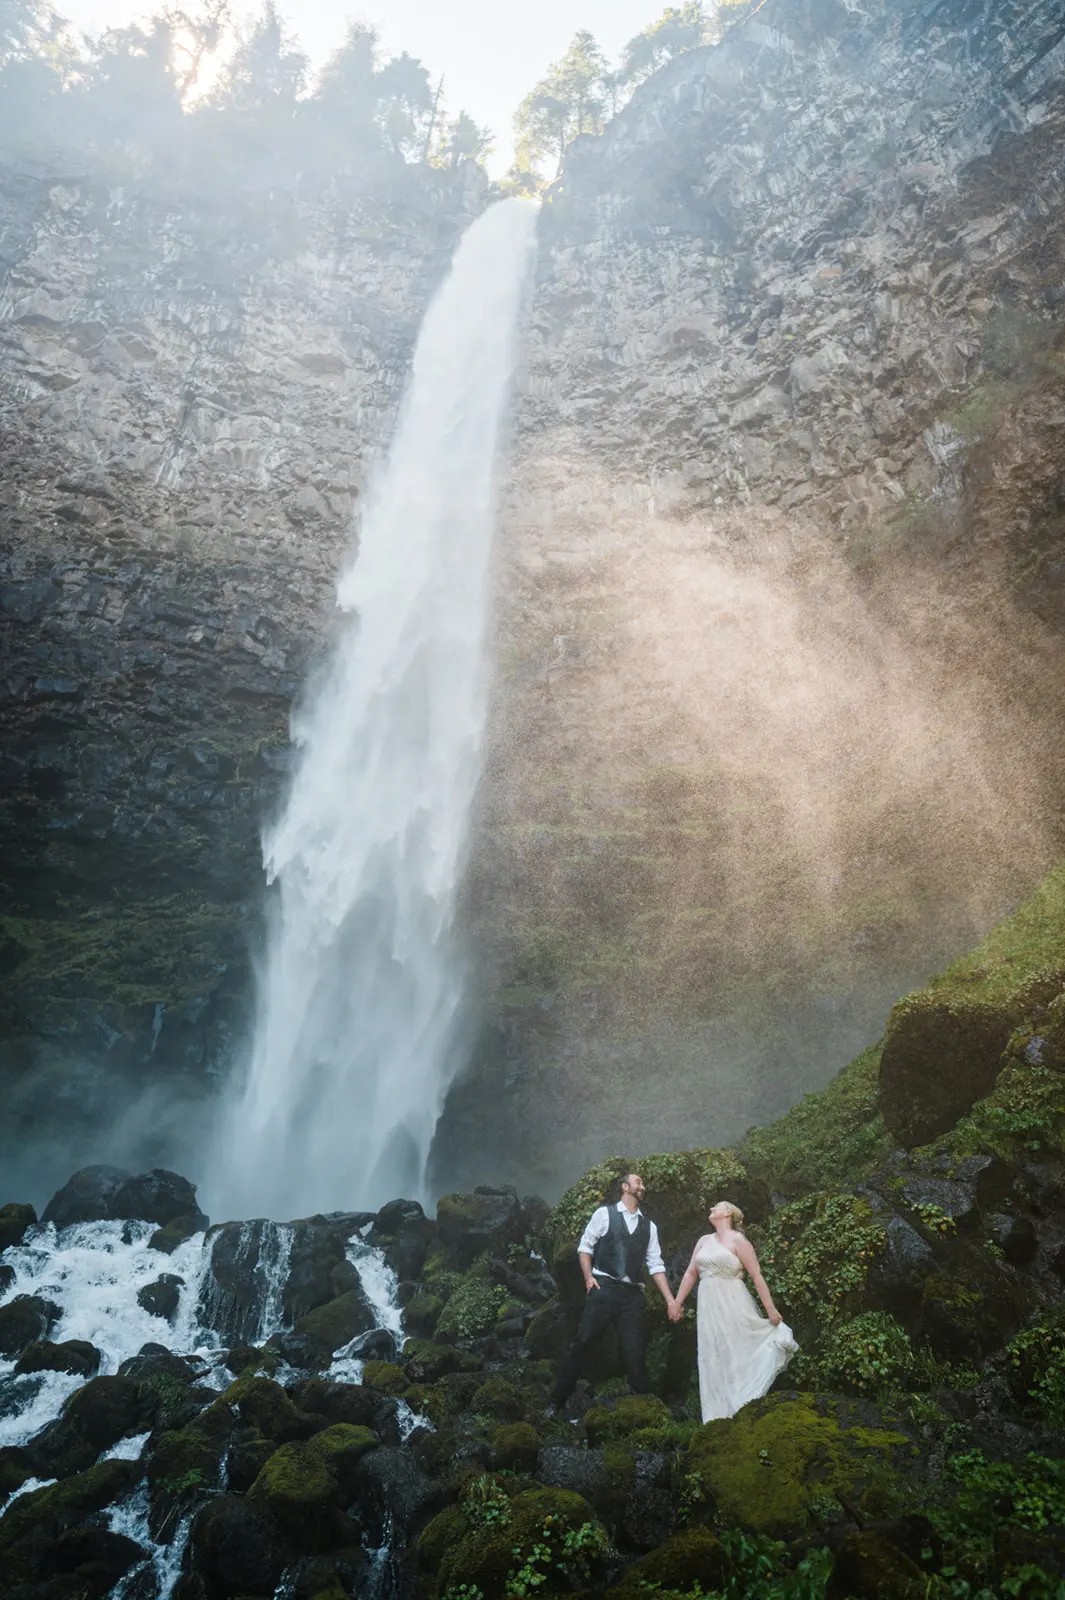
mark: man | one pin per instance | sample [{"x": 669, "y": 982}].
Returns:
[{"x": 617, "y": 1244}]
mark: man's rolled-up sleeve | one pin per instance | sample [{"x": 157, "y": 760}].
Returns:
[
  {"x": 598, "y": 1223},
  {"x": 654, "y": 1253}
]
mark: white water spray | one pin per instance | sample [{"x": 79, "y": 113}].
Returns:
[{"x": 355, "y": 1037}]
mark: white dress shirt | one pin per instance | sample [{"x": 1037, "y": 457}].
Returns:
[{"x": 599, "y": 1223}]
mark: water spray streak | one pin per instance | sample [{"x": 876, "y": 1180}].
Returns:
[{"x": 354, "y": 1039}]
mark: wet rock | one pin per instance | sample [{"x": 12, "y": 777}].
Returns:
[
  {"x": 403, "y": 1232},
  {"x": 7, "y": 1277},
  {"x": 154, "y": 1362},
  {"x": 869, "y": 1567},
  {"x": 392, "y": 1487},
  {"x": 92, "y": 1420},
  {"x": 1016, "y": 1238},
  {"x": 247, "y": 1266},
  {"x": 14, "y": 1220},
  {"x": 236, "y": 1547},
  {"x": 176, "y": 1232},
  {"x": 92, "y": 1560},
  {"x": 23, "y": 1320},
  {"x": 161, "y": 1297},
  {"x": 16, "y": 1465},
  {"x": 688, "y": 1561},
  {"x": 376, "y": 1345},
  {"x": 469, "y": 1224},
  {"x": 32, "y": 1527},
  {"x": 109, "y": 1194},
  {"x": 316, "y": 1337},
  {"x": 74, "y": 1355}
]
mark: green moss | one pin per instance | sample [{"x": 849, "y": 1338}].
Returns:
[
  {"x": 296, "y": 1477},
  {"x": 193, "y": 1450},
  {"x": 693, "y": 1561},
  {"x": 386, "y": 1376},
  {"x": 456, "y": 1549},
  {"x": 869, "y": 1354},
  {"x": 426, "y": 1362},
  {"x": 471, "y": 1309},
  {"x": 816, "y": 1255},
  {"x": 514, "y": 1445},
  {"x": 334, "y": 1324},
  {"x": 1020, "y": 956},
  {"x": 835, "y": 1136},
  {"x": 422, "y": 1314},
  {"x": 266, "y": 1407},
  {"x": 634, "y": 1413},
  {"x": 497, "y": 1397},
  {"x": 767, "y": 1467},
  {"x": 67, "y": 1503}
]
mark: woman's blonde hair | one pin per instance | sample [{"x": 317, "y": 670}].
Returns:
[{"x": 737, "y": 1214}]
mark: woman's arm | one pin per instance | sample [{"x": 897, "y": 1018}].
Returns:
[
  {"x": 745, "y": 1250},
  {"x": 687, "y": 1284}
]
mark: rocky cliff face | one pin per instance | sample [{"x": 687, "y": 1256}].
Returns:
[
  {"x": 192, "y": 396},
  {"x": 782, "y": 641},
  {"x": 780, "y": 603}
]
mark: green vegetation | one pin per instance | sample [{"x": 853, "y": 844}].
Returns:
[
  {"x": 816, "y": 1254},
  {"x": 836, "y": 1136},
  {"x": 870, "y": 1354}
]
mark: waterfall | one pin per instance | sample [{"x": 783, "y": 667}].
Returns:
[{"x": 356, "y": 1033}]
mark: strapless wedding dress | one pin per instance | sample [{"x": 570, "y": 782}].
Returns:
[{"x": 740, "y": 1351}]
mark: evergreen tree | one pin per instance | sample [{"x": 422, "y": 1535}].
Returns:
[
  {"x": 569, "y": 100},
  {"x": 266, "y": 74},
  {"x": 679, "y": 28},
  {"x": 463, "y": 140}
]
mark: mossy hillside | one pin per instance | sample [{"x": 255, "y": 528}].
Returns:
[
  {"x": 1023, "y": 1116},
  {"x": 944, "y": 1044},
  {"x": 816, "y": 1254},
  {"x": 834, "y": 1136},
  {"x": 770, "y": 1467}
]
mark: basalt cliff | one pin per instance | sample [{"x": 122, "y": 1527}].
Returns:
[{"x": 776, "y": 725}]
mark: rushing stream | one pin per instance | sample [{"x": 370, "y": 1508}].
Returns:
[
  {"x": 356, "y": 1034},
  {"x": 93, "y": 1273}
]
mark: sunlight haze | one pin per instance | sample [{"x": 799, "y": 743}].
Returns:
[{"x": 488, "y": 55}]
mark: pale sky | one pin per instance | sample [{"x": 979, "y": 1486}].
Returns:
[{"x": 490, "y": 52}]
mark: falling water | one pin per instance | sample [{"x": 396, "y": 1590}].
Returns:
[{"x": 355, "y": 1037}]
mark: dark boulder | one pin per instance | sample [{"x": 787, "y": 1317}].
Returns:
[
  {"x": 7, "y": 1277},
  {"x": 31, "y": 1528},
  {"x": 109, "y": 1194},
  {"x": 247, "y": 1268},
  {"x": 469, "y": 1224},
  {"x": 93, "y": 1419},
  {"x": 869, "y": 1567},
  {"x": 14, "y": 1220},
  {"x": 1016, "y": 1238},
  {"x": 176, "y": 1232},
  {"x": 16, "y": 1465},
  {"x": 25, "y": 1319},
  {"x": 91, "y": 1559},
  {"x": 74, "y": 1355},
  {"x": 315, "y": 1337},
  {"x": 375, "y": 1345},
  {"x": 392, "y": 1489},
  {"x": 162, "y": 1297},
  {"x": 940, "y": 1055},
  {"x": 403, "y": 1232},
  {"x": 236, "y": 1548},
  {"x": 318, "y": 1268}
]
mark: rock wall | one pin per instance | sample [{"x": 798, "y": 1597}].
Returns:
[
  {"x": 192, "y": 396},
  {"x": 781, "y": 650}
]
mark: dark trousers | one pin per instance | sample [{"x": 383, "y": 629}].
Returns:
[{"x": 613, "y": 1304}]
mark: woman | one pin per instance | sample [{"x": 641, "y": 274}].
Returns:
[{"x": 740, "y": 1353}]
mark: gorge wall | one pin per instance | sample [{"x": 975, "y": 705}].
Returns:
[{"x": 781, "y": 585}]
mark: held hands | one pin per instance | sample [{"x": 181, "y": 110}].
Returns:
[{"x": 676, "y": 1311}]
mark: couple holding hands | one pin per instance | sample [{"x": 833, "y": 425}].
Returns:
[{"x": 740, "y": 1352}]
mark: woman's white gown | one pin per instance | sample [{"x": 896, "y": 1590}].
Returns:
[{"x": 740, "y": 1351}]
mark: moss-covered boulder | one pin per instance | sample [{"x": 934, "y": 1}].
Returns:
[
  {"x": 869, "y": 1567},
  {"x": 385, "y": 1376},
  {"x": 504, "y": 1401},
  {"x": 472, "y": 1309},
  {"x": 691, "y": 1561},
  {"x": 236, "y": 1548},
  {"x": 16, "y": 1465},
  {"x": 469, "y": 1224},
  {"x": 422, "y": 1313},
  {"x": 425, "y": 1362},
  {"x": 184, "y": 1463},
  {"x": 92, "y": 1420},
  {"x": 14, "y": 1221},
  {"x": 481, "y": 1544},
  {"x": 944, "y": 1045},
  {"x": 296, "y": 1484},
  {"x": 515, "y": 1446},
  {"x": 76, "y": 1356},
  {"x": 629, "y": 1417},
  {"x": 265, "y": 1406},
  {"x": 403, "y": 1232},
  {"x": 766, "y": 1468},
  {"x": 36, "y": 1520},
  {"x": 327, "y": 1328}
]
